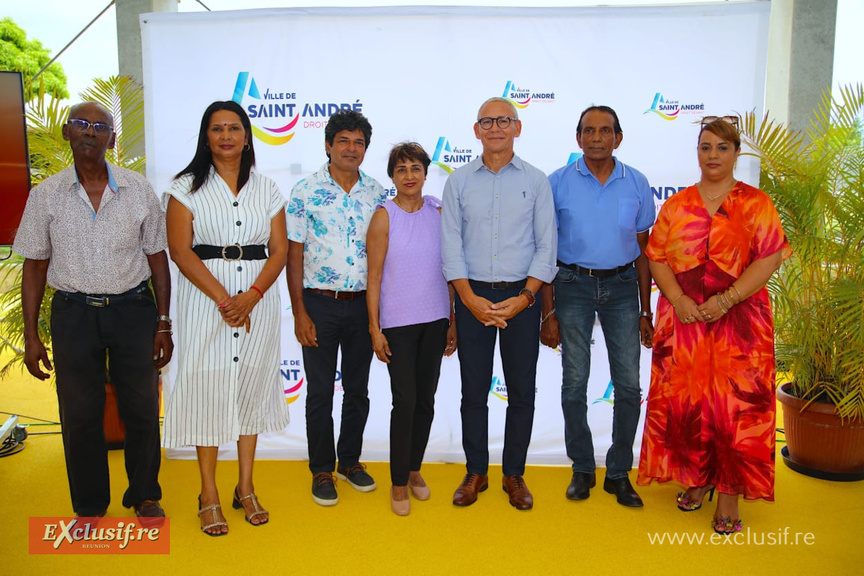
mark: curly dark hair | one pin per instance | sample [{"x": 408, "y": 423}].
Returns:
[{"x": 349, "y": 120}]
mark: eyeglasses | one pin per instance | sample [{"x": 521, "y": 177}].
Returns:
[
  {"x": 83, "y": 125},
  {"x": 733, "y": 120},
  {"x": 502, "y": 121}
]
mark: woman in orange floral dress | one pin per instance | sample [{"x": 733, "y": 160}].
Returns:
[{"x": 710, "y": 417}]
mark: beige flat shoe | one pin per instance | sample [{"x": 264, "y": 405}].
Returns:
[
  {"x": 399, "y": 507},
  {"x": 419, "y": 492}
]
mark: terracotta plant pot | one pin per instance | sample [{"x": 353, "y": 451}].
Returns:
[
  {"x": 115, "y": 430},
  {"x": 817, "y": 439}
]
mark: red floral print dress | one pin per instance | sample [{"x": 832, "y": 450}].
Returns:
[{"x": 711, "y": 409}]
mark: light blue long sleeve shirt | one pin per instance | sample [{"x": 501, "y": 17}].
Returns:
[{"x": 498, "y": 227}]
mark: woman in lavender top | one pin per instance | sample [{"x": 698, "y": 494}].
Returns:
[{"x": 410, "y": 316}]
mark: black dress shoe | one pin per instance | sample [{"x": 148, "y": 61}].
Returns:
[
  {"x": 623, "y": 491},
  {"x": 580, "y": 485}
]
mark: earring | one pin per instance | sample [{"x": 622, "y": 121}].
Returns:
[{"x": 246, "y": 147}]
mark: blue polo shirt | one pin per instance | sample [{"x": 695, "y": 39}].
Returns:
[{"x": 597, "y": 224}]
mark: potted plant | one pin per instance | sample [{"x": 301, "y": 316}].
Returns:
[
  {"x": 49, "y": 154},
  {"x": 816, "y": 181}
]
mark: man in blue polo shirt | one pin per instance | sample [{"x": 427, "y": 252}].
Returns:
[{"x": 604, "y": 210}]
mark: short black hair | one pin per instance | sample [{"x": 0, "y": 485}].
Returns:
[
  {"x": 349, "y": 120},
  {"x": 407, "y": 151},
  {"x": 606, "y": 109}
]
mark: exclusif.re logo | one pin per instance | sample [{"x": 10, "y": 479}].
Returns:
[{"x": 65, "y": 535}]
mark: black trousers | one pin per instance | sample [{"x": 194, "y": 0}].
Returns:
[
  {"x": 519, "y": 348},
  {"x": 84, "y": 337},
  {"x": 345, "y": 324},
  {"x": 414, "y": 367}
]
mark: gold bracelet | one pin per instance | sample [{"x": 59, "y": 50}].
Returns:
[
  {"x": 674, "y": 302},
  {"x": 547, "y": 316},
  {"x": 728, "y": 300},
  {"x": 722, "y": 299},
  {"x": 720, "y": 303},
  {"x": 737, "y": 292}
]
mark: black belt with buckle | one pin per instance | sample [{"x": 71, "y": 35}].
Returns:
[
  {"x": 338, "y": 295},
  {"x": 499, "y": 285},
  {"x": 230, "y": 253},
  {"x": 102, "y": 300},
  {"x": 593, "y": 272}
]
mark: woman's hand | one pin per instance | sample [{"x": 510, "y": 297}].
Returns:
[
  {"x": 687, "y": 310},
  {"x": 381, "y": 346},
  {"x": 235, "y": 311},
  {"x": 711, "y": 311},
  {"x": 450, "y": 348}
]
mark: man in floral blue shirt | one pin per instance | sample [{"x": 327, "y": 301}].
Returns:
[{"x": 328, "y": 215}]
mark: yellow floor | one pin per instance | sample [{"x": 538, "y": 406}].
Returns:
[{"x": 361, "y": 536}]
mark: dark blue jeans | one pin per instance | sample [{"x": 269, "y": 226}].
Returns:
[
  {"x": 84, "y": 337},
  {"x": 615, "y": 301},
  {"x": 338, "y": 323},
  {"x": 520, "y": 345}
]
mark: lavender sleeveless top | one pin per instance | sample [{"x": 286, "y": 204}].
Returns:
[{"x": 413, "y": 288}]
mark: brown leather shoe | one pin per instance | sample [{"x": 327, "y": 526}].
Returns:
[
  {"x": 467, "y": 492},
  {"x": 520, "y": 496},
  {"x": 150, "y": 513}
]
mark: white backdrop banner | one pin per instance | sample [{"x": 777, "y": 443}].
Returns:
[{"x": 421, "y": 73}]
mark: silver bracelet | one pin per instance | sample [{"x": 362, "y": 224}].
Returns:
[
  {"x": 547, "y": 316},
  {"x": 169, "y": 332}
]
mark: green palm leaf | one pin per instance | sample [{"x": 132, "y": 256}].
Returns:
[{"x": 817, "y": 184}]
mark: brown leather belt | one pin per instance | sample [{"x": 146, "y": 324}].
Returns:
[{"x": 338, "y": 295}]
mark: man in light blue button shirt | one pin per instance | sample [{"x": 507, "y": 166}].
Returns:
[
  {"x": 605, "y": 210},
  {"x": 498, "y": 248}
]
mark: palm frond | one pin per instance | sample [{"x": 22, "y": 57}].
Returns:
[
  {"x": 124, "y": 98},
  {"x": 817, "y": 185}
]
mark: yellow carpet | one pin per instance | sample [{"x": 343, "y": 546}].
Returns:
[{"x": 362, "y": 536}]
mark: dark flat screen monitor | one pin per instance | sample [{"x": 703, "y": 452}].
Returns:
[{"x": 14, "y": 163}]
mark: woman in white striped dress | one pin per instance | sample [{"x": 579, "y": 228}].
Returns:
[{"x": 220, "y": 217}]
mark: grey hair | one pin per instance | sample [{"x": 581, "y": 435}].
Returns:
[{"x": 503, "y": 101}]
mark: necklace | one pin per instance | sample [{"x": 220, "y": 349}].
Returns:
[
  {"x": 712, "y": 198},
  {"x": 398, "y": 203}
]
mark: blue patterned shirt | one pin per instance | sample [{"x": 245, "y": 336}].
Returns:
[{"x": 332, "y": 227}]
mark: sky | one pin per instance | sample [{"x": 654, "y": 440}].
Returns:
[{"x": 56, "y": 22}]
